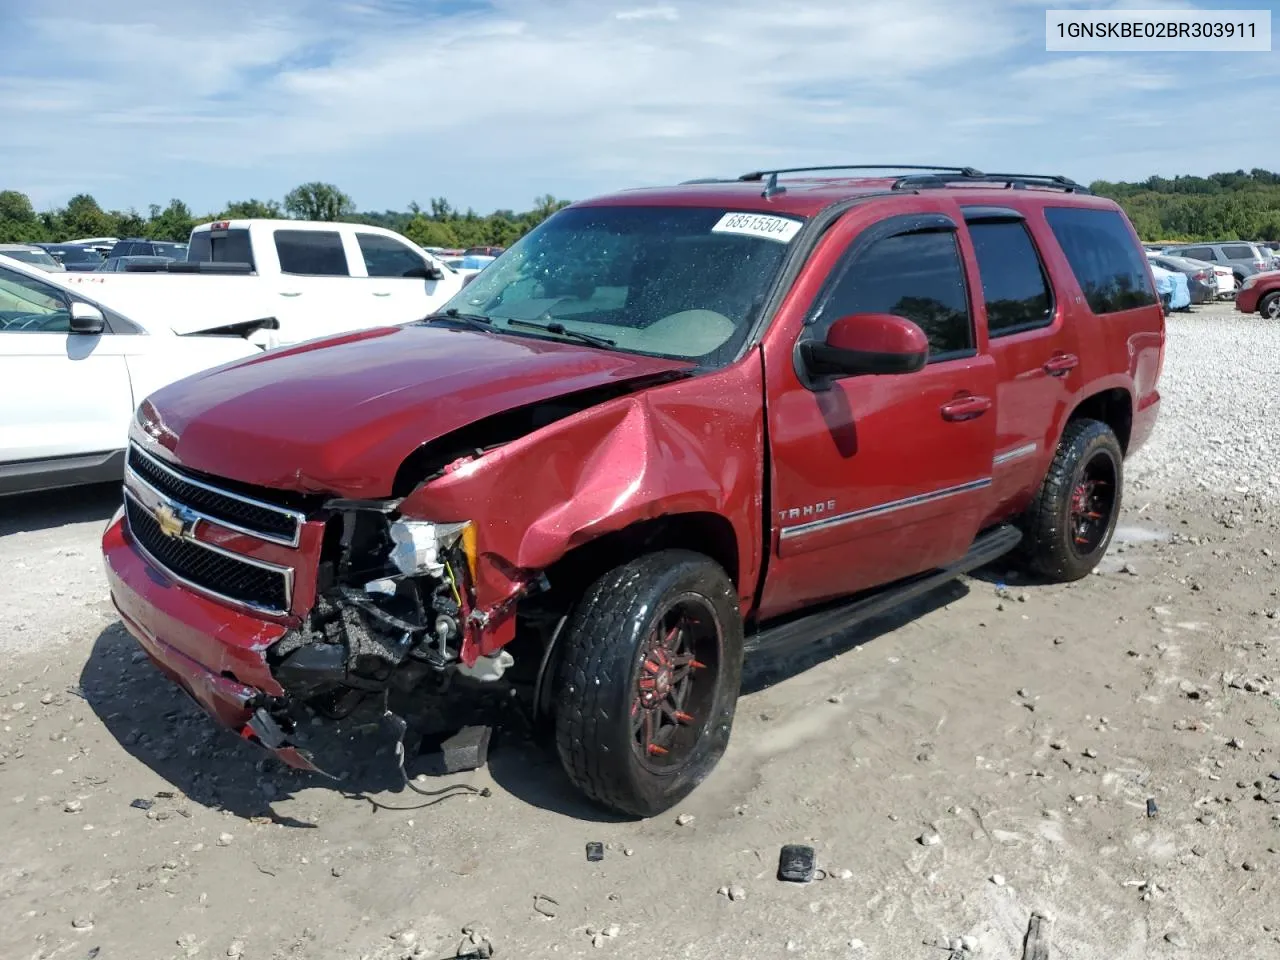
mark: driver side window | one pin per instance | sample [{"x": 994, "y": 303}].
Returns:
[
  {"x": 915, "y": 275},
  {"x": 29, "y": 306}
]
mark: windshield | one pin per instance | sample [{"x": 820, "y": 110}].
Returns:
[
  {"x": 71, "y": 254},
  {"x": 38, "y": 257},
  {"x": 682, "y": 282}
]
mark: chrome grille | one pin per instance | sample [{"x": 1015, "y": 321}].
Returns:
[
  {"x": 234, "y": 511},
  {"x": 210, "y": 569}
]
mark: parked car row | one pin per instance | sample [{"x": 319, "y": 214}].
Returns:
[{"x": 1243, "y": 258}]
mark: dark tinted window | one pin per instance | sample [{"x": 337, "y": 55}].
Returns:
[
  {"x": 918, "y": 276},
  {"x": 1013, "y": 282},
  {"x": 316, "y": 253},
  {"x": 384, "y": 257},
  {"x": 123, "y": 248},
  {"x": 1198, "y": 253},
  {"x": 1108, "y": 264},
  {"x": 77, "y": 255},
  {"x": 178, "y": 251},
  {"x": 1240, "y": 251},
  {"x": 220, "y": 246}
]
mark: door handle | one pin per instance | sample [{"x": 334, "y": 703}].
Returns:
[
  {"x": 382, "y": 293},
  {"x": 294, "y": 294},
  {"x": 965, "y": 408},
  {"x": 1061, "y": 364}
]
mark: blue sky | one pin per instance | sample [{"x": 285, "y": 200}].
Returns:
[{"x": 491, "y": 103}]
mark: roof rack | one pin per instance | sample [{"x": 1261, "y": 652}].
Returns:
[
  {"x": 771, "y": 186},
  {"x": 1010, "y": 181},
  {"x": 933, "y": 177}
]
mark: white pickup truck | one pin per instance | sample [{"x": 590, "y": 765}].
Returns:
[{"x": 314, "y": 278}]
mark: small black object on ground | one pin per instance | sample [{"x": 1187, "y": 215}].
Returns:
[
  {"x": 796, "y": 863},
  {"x": 1151, "y": 806},
  {"x": 595, "y": 851},
  {"x": 143, "y": 804}
]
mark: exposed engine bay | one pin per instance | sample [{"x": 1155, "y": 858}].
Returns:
[{"x": 393, "y": 597}]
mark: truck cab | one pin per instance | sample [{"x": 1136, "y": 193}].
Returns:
[
  {"x": 312, "y": 278},
  {"x": 667, "y": 429}
]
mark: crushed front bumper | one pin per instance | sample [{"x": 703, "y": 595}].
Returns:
[{"x": 214, "y": 653}]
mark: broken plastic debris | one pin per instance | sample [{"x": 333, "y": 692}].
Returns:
[
  {"x": 142, "y": 804},
  {"x": 1151, "y": 806},
  {"x": 796, "y": 863},
  {"x": 595, "y": 851}
]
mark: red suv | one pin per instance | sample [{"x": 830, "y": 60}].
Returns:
[
  {"x": 668, "y": 428},
  {"x": 1261, "y": 294}
]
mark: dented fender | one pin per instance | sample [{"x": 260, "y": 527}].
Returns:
[{"x": 695, "y": 445}]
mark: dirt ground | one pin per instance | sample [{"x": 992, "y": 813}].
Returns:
[{"x": 990, "y": 753}]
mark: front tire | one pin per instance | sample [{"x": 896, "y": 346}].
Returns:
[
  {"x": 648, "y": 681},
  {"x": 1269, "y": 306},
  {"x": 1069, "y": 525}
]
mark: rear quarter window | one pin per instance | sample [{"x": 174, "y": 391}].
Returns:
[
  {"x": 1107, "y": 262},
  {"x": 1240, "y": 251}
]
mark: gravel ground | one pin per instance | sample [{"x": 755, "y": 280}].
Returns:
[
  {"x": 1219, "y": 426},
  {"x": 985, "y": 756}
]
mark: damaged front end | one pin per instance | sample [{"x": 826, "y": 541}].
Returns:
[{"x": 395, "y": 600}]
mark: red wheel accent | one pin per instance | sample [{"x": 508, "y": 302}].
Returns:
[
  {"x": 1092, "y": 500},
  {"x": 673, "y": 685}
]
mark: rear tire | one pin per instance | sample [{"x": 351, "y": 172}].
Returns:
[
  {"x": 648, "y": 680},
  {"x": 1069, "y": 525},
  {"x": 1269, "y": 306}
]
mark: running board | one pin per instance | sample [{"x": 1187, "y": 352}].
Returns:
[{"x": 810, "y": 627}]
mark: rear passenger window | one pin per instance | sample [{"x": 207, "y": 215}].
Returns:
[
  {"x": 1240, "y": 251},
  {"x": 1196, "y": 253},
  {"x": 914, "y": 275},
  {"x": 315, "y": 253},
  {"x": 1014, "y": 284},
  {"x": 1106, "y": 260}
]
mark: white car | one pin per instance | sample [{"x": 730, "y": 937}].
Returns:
[
  {"x": 315, "y": 277},
  {"x": 1226, "y": 280},
  {"x": 73, "y": 372}
]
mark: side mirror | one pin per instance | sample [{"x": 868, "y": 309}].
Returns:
[
  {"x": 86, "y": 318},
  {"x": 429, "y": 271},
  {"x": 867, "y": 343}
]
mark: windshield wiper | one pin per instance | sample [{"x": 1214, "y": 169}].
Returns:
[
  {"x": 476, "y": 321},
  {"x": 559, "y": 328}
]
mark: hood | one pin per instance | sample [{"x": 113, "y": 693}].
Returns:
[{"x": 340, "y": 415}]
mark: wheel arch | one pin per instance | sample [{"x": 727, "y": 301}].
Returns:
[
  {"x": 1112, "y": 406},
  {"x": 710, "y": 534}
]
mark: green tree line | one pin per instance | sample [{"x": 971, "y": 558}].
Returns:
[
  {"x": 1221, "y": 206},
  {"x": 439, "y": 225},
  {"x": 1240, "y": 205}
]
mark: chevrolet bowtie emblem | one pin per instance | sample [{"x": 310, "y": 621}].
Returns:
[{"x": 172, "y": 522}]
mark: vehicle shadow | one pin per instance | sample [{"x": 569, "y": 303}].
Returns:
[
  {"x": 31, "y": 512},
  {"x": 530, "y": 771},
  {"x": 158, "y": 724}
]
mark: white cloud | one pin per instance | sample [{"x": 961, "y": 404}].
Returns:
[{"x": 493, "y": 104}]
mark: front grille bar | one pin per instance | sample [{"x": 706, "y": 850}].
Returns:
[
  {"x": 138, "y": 501},
  {"x": 235, "y": 511}
]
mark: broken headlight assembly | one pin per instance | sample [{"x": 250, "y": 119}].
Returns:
[{"x": 392, "y": 595}]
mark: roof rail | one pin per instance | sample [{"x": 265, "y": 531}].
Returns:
[
  {"x": 1011, "y": 181},
  {"x": 761, "y": 174},
  {"x": 706, "y": 180}
]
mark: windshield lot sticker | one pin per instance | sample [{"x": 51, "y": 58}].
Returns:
[{"x": 781, "y": 229}]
